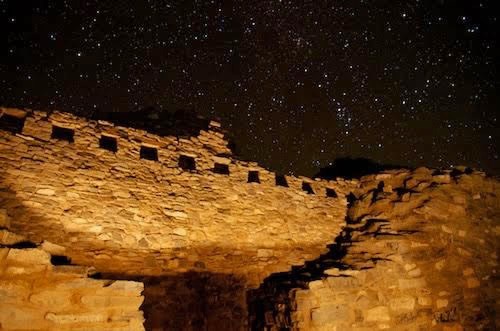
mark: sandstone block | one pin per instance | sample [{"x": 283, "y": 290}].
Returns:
[
  {"x": 12, "y": 291},
  {"x": 378, "y": 314},
  {"x": 441, "y": 303},
  {"x": 129, "y": 287},
  {"x": 411, "y": 283},
  {"x": 179, "y": 231},
  {"x": 32, "y": 256},
  {"x": 46, "y": 192},
  {"x": 473, "y": 282},
  {"x": 56, "y": 300},
  {"x": 404, "y": 303},
  {"x": 468, "y": 272},
  {"x": 76, "y": 318},
  {"x": 132, "y": 302},
  {"x": 331, "y": 313},
  {"x": 9, "y": 238},
  {"x": 424, "y": 300},
  {"x": 20, "y": 318},
  {"x": 53, "y": 249}
]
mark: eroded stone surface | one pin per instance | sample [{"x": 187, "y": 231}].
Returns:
[
  {"x": 417, "y": 251},
  {"x": 121, "y": 213},
  {"x": 421, "y": 255},
  {"x": 35, "y": 296}
]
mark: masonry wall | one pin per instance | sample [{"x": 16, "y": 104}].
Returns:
[
  {"x": 419, "y": 252},
  {"x": 126, "y": 214},
  {"x": 37, "y": 295}
]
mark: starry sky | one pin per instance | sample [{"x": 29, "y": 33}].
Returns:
[{"x": 297, "y": 84}]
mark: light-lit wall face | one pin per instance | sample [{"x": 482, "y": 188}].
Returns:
[{"x": 142, "y": 208}]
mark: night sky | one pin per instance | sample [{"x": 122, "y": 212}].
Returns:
[{"x": 297, "y": 84}]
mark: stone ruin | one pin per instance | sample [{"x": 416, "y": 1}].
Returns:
[{"x": 104, "y": 227}]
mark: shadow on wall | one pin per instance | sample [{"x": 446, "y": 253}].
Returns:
[
  {"x": 188, "y": 301},
  {"x": 350, "y": 168},
  {"x": 180, "y": 123},
  {"x": 192, "y": 301},
  {"x": 270, "y": 305}
]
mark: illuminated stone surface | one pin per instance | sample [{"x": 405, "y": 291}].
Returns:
[{"x": 413, "y": 250}]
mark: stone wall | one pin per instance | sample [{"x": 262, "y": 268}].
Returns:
[
  {"x": 37, "y": 295},
  {"x": 191, "y": 208},
  {"x": 222, "y": 244},
  {"x": 419, "y": 252}
]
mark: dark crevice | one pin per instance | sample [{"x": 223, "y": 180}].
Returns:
[
  {"x": 21, "y": 245},
  {"x": 190, "y": 301},
  {"x": 60, "y": 260},
  {"x": 270, "y": 306}
]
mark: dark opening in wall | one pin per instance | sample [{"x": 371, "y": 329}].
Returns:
[
  {"x": 187, "y": 162},
  {"x": 306, "y": 187},
  {"x": 221, "y": 168},
  {"x": 108, "y": 143},
  {"x": 330, "y": 193},
  {"x": 61, "y": 133},
  {"x": 281, "y": 181},
  {"x": 60, "y": 260},
  {"x": 149, "y": 153},
  {"x": 11, "y": 123},
  {"x": 253, "y": 176}
]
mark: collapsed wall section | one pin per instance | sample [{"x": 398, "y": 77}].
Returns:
[
  {"x": 124, "y": 200},
  {"x": 37, "y": 295},
  {"x": 419, "y": 252}
]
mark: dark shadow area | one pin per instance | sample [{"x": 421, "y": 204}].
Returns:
[
  {"x": 330, "y": 193},
  {"x": 253, "y": 177},
  {"x": 61, "y": 133},
  {"x": 148, "y": 153},
  {"x": 306, "y": 187},
  {"x": 180, "y": 123},
  {"x": 270, "y": 306},
  {"x": 350, "y": 168},
  {"x": 108, "y": 143},
  {"x": 187, "y": 163},
  {"x": 192, "y": 301},
  {"x": 11, "y": 123},
  {"x": 60, "y": 260},
  {"x": 280, "y": 180},
  {"x": 222, "y": 169},
  {"x": 22, "y": 245}
]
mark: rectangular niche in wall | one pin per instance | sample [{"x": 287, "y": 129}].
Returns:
[
  {"x": 187, "y": 162},
  {"x": 11, "y": 123},
  {"x": 60, "y": 133},
  {"x": 306, "y": 187},
  {"x": 330, "y": 193},
  {"x": 253, "y": 176},
  {"x": 221, "y": 168},
  {"x": 108, "y": 143},
  {"x": 281, "y": 181},
  {"x": 149, "y": 153}
]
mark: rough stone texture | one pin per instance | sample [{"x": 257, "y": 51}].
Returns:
[
  {"x": 121, "y": 213},
  {"x": 419, "y": 252},
  {"x": 36, "y": 295},
  {"x": 414, "y": 250}
]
